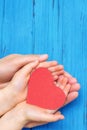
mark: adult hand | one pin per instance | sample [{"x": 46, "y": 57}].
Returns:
[
  {"x": 16, "y": 90},
  {"x": 29, "y": 115},
  {"x": 15, "y": 93},
  {"x": 9, "y": 65},
  {"x": 12, "y": 63}
]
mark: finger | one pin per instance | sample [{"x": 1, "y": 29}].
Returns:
[
  {"x": 71, "y": 96},
  {"x": 56, "y": 68},
  {"x": 75, "y": 87},
  {"x": 58, "y": 73},
  {"x": 56, "y": 116},
  {"x": 22, "y": 78},
  {"x": 27, "y": 113},
  {"x": 40, "y": 115},
  {"x": 55, "y": 77},
  {"x": 46, "y": 117},
  {"x": 55, "y": 73},
  {"x": 20, "y": 60},
  {"x": 64, "y": 81},
  {"x": 10, "y": 57},
  {"x": 34, "y": 124},
  {"x": 42, "y": 57},
  {"x": 67, "y": 74},
  {"x": 11, "y": 64},
  {"x": 67, "y": 89},
  {"x": 25, "y": 59},
  {"x": 60, "y": 78},
  {"x": 11, "y": 93},
  {"x": 72, "y": 80},
  {"x": 61, "y": 82},
  {"x": 47, "y": 64},
  {"x": 25, "y": 71}
]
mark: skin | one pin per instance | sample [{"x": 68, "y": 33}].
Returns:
[
  {"x": 52, "y": 66},
  {"x": 9, "y": 65},
  {"x": 73, "y": 93},
  {"x": 17, "y": 100},
  {"x": 18, "y": 61},
  {"x": 13, "y": 63},
  {"x": 30, "y": 115},
  {"x": 26, "y": 114}
]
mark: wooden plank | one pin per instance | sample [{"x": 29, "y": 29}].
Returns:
[
  {"x": 17, "y": 27},
  {"x": 2, "y": 6},
  {"x": 58, "y": 28}
]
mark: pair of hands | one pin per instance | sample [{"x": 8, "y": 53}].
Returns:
[{"x": 14, "y": 75}]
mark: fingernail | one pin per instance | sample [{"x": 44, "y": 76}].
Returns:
[
  {"x": 61, "y": 66},
  {"x": 55, "y": 62},
  {"x": 63, "y": 117},
  {"x": 76, "y": 94},
  {"x": 44, "y": 55},
  {"x": 59, "y": 112}
]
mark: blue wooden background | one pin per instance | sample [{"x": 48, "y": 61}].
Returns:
[{"x": 56, "y": 27}]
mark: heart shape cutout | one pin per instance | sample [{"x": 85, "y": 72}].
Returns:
[{"x": 43, "y": 92}]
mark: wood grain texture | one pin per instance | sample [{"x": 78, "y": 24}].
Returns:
[{"x": 56, "y": 27}]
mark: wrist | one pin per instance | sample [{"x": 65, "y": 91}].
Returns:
[
  {"x": 20, "y": 114},
  {"x": 13, "y": 120},
  {"x": 7, "y": 100}
]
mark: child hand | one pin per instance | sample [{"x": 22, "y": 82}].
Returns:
[
  {"x": 75, "y": 86},
  {"x": 12, "y": 63},
  {"x": 14, "y": 85}
]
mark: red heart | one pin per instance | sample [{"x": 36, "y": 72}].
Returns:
[{"x": 42, "y": 91}]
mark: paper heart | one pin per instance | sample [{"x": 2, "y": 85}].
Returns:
[{"x": 43, "y": 92}]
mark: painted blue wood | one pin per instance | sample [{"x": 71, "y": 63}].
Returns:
[{"x": 56, "y": 27}]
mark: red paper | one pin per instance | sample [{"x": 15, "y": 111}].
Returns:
[{"x": 43, "y": 92}]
